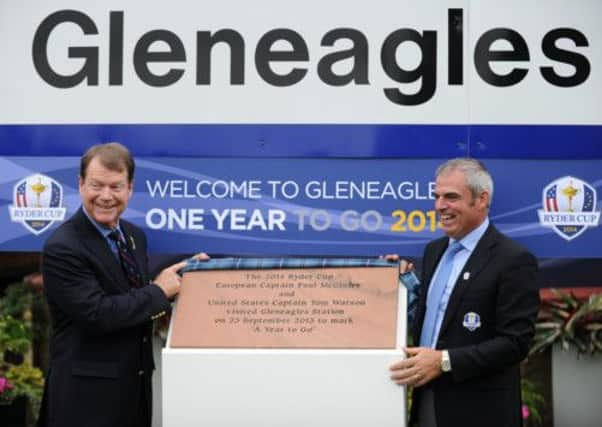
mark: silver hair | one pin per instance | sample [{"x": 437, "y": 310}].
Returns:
[{"x": 476, "y": 174}]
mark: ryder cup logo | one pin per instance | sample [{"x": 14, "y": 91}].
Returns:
[
  {"x": 38, "y": 201},
  {"x": 471, "y": 321},
  {"x": 569, "y": 207}
]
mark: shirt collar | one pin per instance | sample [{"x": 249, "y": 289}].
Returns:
[
  {"x": 471, "y": 239},
  {"x": 103, "y": 230}
]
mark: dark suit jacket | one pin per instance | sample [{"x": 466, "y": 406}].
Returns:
[
  {"x": 483, "y": 388},
  {"x": 101, "y": 348}
]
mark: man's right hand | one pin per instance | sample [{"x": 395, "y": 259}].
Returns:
[
  {"x": 404, "y": 265},
  {"x": 170, "y": 281}
]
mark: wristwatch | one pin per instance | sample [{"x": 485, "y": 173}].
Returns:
[{"x": 445, "y": 362}]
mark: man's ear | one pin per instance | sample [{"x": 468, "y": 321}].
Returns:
[{"x": 484, "y": 200}]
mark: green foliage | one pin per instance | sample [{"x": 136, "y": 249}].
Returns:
[
  {"x": 534, "y": 401},
  {"x": 571, "y": 323},
  {"x": 18, "y": 378},
  {"x": 15, "y": 302},
  {"x": 15, "y": 335},
  {"x": 23, "y": 380},
  {"x": 15, "y": 322}
]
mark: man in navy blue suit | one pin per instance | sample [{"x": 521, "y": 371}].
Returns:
[
  {"x": 476, "y": 312},
  {"x": 102, "y": 304}
]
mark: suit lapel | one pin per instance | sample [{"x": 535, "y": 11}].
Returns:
[
  {"x": 480, "y": 257},
  {"x": 97, "y": 245}
]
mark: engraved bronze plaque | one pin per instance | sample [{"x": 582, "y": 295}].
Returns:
[{"x": 352, "y": 308}]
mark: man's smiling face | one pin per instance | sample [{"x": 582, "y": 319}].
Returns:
[
  {"x": 459, "y": 210},
  {"x": 105, "y": 193}
]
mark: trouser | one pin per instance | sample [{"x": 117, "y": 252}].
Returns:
[
  {"x": 145, "y": 403},
  {"x": 426, "y": 410}
]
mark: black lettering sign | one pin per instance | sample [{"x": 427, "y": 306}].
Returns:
[{"x": 279, "y": 51}]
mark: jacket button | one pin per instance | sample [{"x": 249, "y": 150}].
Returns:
[
  {"x": 144, "y": 339},
  {"x": 140, "y": 372}
]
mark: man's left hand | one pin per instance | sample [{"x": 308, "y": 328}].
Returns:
[{"x": 421, "y": 366}]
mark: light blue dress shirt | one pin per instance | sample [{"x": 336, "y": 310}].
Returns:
[{"x": 468, "y": 242}]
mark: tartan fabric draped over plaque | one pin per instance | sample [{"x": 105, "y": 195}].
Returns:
[{"x": 261, "y": 263}]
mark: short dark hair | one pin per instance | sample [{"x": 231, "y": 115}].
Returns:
[{"x": 112, "y": 155}]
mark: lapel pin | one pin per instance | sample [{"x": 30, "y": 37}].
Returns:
[
  {"x": 466, "y": 275},
  {"x": 471, "y": 321}
]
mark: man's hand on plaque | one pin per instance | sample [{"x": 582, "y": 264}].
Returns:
[
  {"x": 404, "y": 265},
  {"x": 201, "y": 256},
  {"x": 421, "y": 366},
  {"x": 169, "y": 279}
]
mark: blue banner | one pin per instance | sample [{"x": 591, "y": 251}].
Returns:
[{"x": 302, "y": 206}]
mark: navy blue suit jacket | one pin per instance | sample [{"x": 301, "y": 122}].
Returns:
[
  {"x": 101, "y": 348},
  {"x": 498, "y": 283}
]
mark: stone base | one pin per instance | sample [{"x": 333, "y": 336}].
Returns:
[
  {"x": 577, "y": 389},
  {"x": 293, "y": 388}
]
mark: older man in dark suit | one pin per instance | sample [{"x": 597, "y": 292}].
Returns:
[
  {"x": 476, "y": 312},
  {"x": 102, "y": 304}
]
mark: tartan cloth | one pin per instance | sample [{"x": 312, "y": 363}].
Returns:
[
  {"x": 275, "y": 263},
  {"x": 265, "y": 263}
]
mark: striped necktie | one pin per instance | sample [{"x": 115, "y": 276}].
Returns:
[{"x": 128, "y": 263}]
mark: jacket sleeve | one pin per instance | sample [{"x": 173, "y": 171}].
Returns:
[{"x": 72, "y": 286}]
